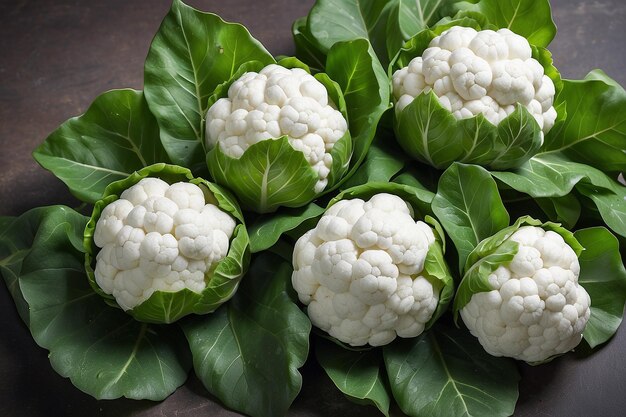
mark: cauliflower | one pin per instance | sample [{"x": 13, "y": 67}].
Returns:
[
  {"x": 479, "y": 72},
  {"x": 159, "y": 247},
  {"x": 361, "y": 271},
  {"x": 158, "y": 237},
  {"x": 536, "y": 309},
  {"x": 278, "y": 102}
]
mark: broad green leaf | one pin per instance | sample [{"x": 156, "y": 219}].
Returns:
[
  {"x": 430, "y": 133},
  {"x": 116, "y": 136},
  {"x": 529, "y": 18},
  {"x": 357, "y": 374},
  {"x": 446, "y": 372},
  {"x": 221, "y": 281},
  {"x": 248, "y": 352},
  {"x": 365, "y": 87},
  {"x": 603, "y": 275},
  {"x": 192, "y": 53},
  {"x": 409, "y": 17},
  {"x": 408, "y": 178},
  {"x": 103, "y": 351},
  {"x": 332, "y": 21},
  {"x": 306, "y": 48},
  {"x": 610, "y": 205},
  {"x": 549, "y": 175},
  {"x": 565, "y": 210},
  {"x": 382, "y": 161},
  {"x": 469, "y": 207},
  {"x": 270, "y": 174},
  {"x": 594, "y": 132},
  {"x": 266, "y": 230}
]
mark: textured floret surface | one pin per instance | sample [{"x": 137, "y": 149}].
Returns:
[
  {"x": 360, "y": 271},
  {"x": 278, "y": 102},
  {"x": 479, "y": 72},
  {"x": 159, "y": 237},
  {"x": 536, "y": 309}
]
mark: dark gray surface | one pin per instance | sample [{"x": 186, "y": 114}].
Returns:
[{"x": 58, "y": 56}]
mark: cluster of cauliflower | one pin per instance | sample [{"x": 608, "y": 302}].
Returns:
[
  {"x": 473, "y": 72},
  {"x": 360, "y": 271},
  {"x": 536, "y": 309},
  {"x": 158, "y": 237},
  {"x": 276, "y": 102}
]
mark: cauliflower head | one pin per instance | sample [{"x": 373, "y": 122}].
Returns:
[
  {"x": 536, "y": 308},
  {"x": 479, "y": 72},
  {"x": 159, "y": 246},
  {"x": 277, "y": 102},
  {"x": 361, "y": 271}
]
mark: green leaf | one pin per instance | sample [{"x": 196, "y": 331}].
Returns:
[
  {"x": 446, "y": 372},
  {"x": 332, "y": 21},
  {"x": 116, "y": 136},
  {"x": 192, "y": 53},
  {"x": 565, "y": 210},
  {"x": 529, "y": 18},
  {"x": 611, "y": 205},
  {"x": 266, "y": 230},
  {"x": 594, "y": 132},
  {"x": 381, "y": 163},
  {"x": 103, "y": 351},
  {"x": 357, "y": 374},
  {"x": 430, "y": 133},
  {"x": 409, "y": 17},
  {"x": 550, "y": 175},
  {"x": 365, "y": 87},
  {"x": 268, "y": 175},
  {"x": 221, "y": 281},
  {"x": 248, "y": 352},
  {"x": 469, "y": 207},
  {"x": 306, "y": 47},
  {"x": 603, "y": 275}
]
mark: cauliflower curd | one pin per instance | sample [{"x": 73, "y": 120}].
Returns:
[
  {"x": 536, "y": 309},
  {"x": 276, "y": 102},
  {"x": 158, "y": 237},
  {"x": 479, "y": 72},
  {"x": 360, "y": 271}
]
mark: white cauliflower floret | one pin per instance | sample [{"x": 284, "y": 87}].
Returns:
[
  {"x": 536, "y": 309},
  {"x": 276, "y": 102},
  {"x": 360, "y": 271},
  {"x": 158, "y": 237},
  {"x": 479, "y": 72}
]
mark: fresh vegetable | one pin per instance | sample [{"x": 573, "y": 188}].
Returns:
[
  {"x": 340, "y": 217},
  {"x": 369, "y": 272},
  {"x": 164, "y": 250},
  {"x": 278, "y": 102},
  {"x": 477, "y": 96},
  {"x": 479, "y": 72},
  {"x": 520, "y": 294},
  {"x": 311, "y": 142}
]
